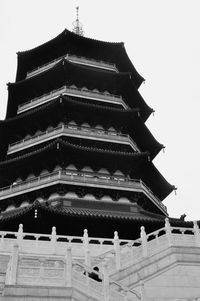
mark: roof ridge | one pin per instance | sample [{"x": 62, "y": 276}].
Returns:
[{"x": 69, "y": 32}]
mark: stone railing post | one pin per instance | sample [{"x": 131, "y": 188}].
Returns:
[
  {"x": 12, "y": 278},
  {"x": 20, "y": 236},
  {"x": 196, "y": 233},
  {"x": 2, "y": 242},
  {"x": 168, "y": 231},
  {"x": 53, "y": 240},
  {"x": 68, "y": 267},
  {"x": 85, "y": 239},
  {"x": 86, "y": 247},
  {"x": 87, "y": 258},
  {"x": 117, "y": 251},
  {"x": 106, "y": 288},
  {"x": 143, "y": 237}
]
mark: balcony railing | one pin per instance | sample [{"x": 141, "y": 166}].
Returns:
[
  {"x": 79, "y": 178},
  {"x": 72, "y": 91},
  {"x": 74, "y": 59},
  {"x": 73, "y": 131},
  {"x": 53, "y": 243}
]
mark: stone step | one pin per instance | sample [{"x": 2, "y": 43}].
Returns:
[{"x": 38, "y": 293}]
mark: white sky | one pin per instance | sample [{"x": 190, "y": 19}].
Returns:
[{"x": 162, "y": 40}]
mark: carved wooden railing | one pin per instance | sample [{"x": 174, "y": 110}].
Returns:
[
  {"x": 73, "y": 131},
  {"x": 75, "y": 59},
  {"x": 83, "y": 93},
  {"x": 86, "y": 179}
]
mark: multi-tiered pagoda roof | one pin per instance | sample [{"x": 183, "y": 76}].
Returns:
[
  {"x": 112, "y": 56},
  {"x": 76, "y": 150}
]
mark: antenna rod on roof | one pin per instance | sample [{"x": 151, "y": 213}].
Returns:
[{"x": 77, "y": 25}]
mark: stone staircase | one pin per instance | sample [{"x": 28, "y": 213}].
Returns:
[
  {"x": 54, "y": 277},
  {"x": 167, "y": 261}
]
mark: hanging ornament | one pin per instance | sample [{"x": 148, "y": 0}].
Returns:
[
  {"x": 163, "y": 149},
  {"x": 35, "y": 213}
]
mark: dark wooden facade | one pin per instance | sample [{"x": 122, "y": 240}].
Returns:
[{"x": 102, "y": 208}]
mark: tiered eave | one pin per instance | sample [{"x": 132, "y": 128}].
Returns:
[{"x": 75, "y": 140}]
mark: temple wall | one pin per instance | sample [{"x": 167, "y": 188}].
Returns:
[
  {"x": 173, "y": 274},
  {"x": 181, "y": 282}
]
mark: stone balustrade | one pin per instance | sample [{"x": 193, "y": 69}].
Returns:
[
  {"x": 54, "y": 244},
  {"x": 82, "y": 93},
  {"x": 63, "y": 271},
  {"x": 60, "y": 272},
  {"x": 80, "y": 178},
  {"x": 27, "y": 267},
  {"x": 116, "y": 252},
  {"x": 55, "y": 269},
  {"x": 74, "y": 59},
  {"x": 73, "y": 131},
  {"x": 149, "y": 244}
]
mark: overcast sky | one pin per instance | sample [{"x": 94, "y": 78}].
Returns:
[{"x": 162, "y": 40}]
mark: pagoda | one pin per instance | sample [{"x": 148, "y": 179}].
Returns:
[{"x": 75, "y": 150}]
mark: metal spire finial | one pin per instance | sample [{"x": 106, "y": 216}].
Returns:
[
  {"x": 77, "y": 25},
  {"x": 77, "y": 9}
]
